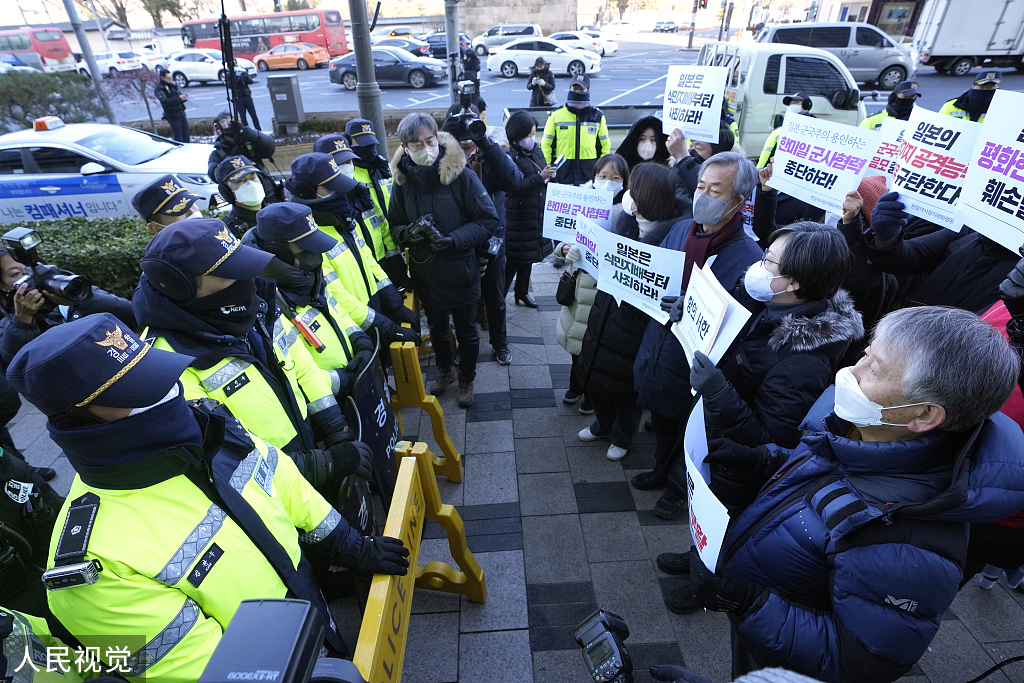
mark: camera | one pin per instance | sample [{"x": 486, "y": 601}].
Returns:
[
  {"x": 39, "y": 276},
  {"x": 423, "y": 231},
  {"x": 601, "y": 636},
  {"x": 469, "y": 126}
]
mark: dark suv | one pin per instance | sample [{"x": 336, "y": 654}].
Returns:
[{"x": 439, "y": 44}]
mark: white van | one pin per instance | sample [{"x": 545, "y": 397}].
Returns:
[{"x": 762, "y": 74}]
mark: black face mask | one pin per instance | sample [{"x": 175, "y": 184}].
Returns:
[
  {"x": 336, "y": 204},
  {"x": 309, "y": 261},
  {"x": 978, "y": 101},
  {"x": 366, "y": 152},
  {"x": 230, "y": 311},
  {"x": 899, "y": 107}
]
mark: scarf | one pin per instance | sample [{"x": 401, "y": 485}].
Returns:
[{"x": 699, "y": 244}]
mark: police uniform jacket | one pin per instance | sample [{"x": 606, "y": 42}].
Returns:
[{"x": 582, "y": 136}]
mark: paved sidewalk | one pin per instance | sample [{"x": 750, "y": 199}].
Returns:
[{"x": 559, "y": 532}]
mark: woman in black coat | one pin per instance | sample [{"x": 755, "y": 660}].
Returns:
[
  {"x": 541, "y": 83},
  {"x": 524, "y": 206},
  {"x": 644, "y": 142}
]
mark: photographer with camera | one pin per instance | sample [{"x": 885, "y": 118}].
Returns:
[
  {"x": 243, "y": 98},
  {"x": 236, "y": 139},
  {"x": 247, "y": 189},
  {"x": 173, "y": 102},
  {"x": 499, "y": 174},
  {"x": 441, "y": 211}
]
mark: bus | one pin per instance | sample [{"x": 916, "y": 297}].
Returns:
[
  {"x": 37, "y": 47},
  {"x": 255, "y": 34}
]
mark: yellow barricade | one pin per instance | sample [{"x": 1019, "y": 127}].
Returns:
[{"x": 382, "y": 635}]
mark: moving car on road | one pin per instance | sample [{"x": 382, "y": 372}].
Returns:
[
  {"x": 666, "y": 27},
  {"x": 111, "y": 63},
  {"x": 503, "y": 34},
  {"x": 609, "y": 45},
  {"x": 439, "y": 43},
  {"x": 393, "y": 66},
  {"x": 391, "y": 32},
  {"x": 299, "y": 56},
  {"x": 576, "y": 40},
  {"x": 517, "y": 57},
  {"x": 419, "y": 48},
  {"x": 204, "y": 66}
]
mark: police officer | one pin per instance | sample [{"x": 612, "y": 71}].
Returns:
[
  {"x": 973, "y": 104},
  {"x": 177, "y": 513},
  {"x": 798, "y": 103},
  {"x": 199, "y": 296},
  {"x": 353, "y": 276},
  {"x": 246, "y": 188},
  {"x": 577, "y": 131},
  {"x": 29, "y": 653},
  {"x": 165, "y": 201},
  {"x": 900, "y": 105},
  {"x": 369, "y": 227},
  {"x": 288, "y": 231}
]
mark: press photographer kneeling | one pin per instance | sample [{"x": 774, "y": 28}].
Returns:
[{"x": 38, "y": 296}]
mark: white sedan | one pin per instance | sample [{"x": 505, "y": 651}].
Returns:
[
  {"x": 111, "y": 63},
  {"x": 200, "y": 65},
  {"x": 576, "y": 40},
  {"x": 91, "y": 170},
  {"x": 609, "y": 45},
  {"x": 519, "y": 56}
]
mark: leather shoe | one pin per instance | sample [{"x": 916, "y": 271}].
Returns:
[
  {"x": 526, "y": 300},
  {"x": 645, "y": 481},
  {"x": 47, "y": 473},
  {"x": 677, "y": 564},
  {"x": 683, "y": 600},
  {"x": 669, "y": 505}
]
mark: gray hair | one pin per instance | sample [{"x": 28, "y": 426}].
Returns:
[
  {"x": 746, "y": 172},
  {"x": 410, "y": 127},
  {"x": 953, "y": 358}
]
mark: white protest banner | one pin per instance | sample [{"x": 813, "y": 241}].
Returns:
[
  {"x": 883, "y": 161},
  {"x": 819, "y": 161},
  {"x": 639, "y": 273},
  {"x": 702, "y": 310},
  {"x": 563, "y": 203},
  {"x": 693, "y": 101},
  {"x": 708, "y": 517},
  {"x": 932, "y": 164},
  {"x": 695, "y": 440},
  {"x": 992, "y": 201},
  {"x": 588, "y": 234}
]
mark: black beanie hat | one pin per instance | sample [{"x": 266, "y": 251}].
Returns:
[{"x": 519, "y": 126}]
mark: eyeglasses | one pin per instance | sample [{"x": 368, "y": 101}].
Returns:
[{"x": 767, "y": 260}]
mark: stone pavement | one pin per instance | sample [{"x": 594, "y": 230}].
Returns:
[{"x": 559, "y": 532}]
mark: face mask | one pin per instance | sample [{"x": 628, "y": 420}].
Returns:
[
  {"x": 853, "y": 406},
  {"x": 613, "y": 185},
  {"x": 758, "y": 282},
  {"x": 366, "y": 152},
  {"x": 899, "y": 107},
  {"x": 425, "y": 156},
  {"x": 172, "y": 394},
  {"x": 335, "y": 203},
  {"x": 527, "y": 144},
  {"x": 978, "y": 100},
  {"x": 707, "y": 210},
  {"x": 796, "y": 108},
  {"x": 646, "y": 150},
  {"x": 627, "y": 204},
  {"x": 309, "y": 261},
  {"x": 347, "y": 170},
  {"x": 230, "y": 311},
  {"x": 251, "y": 193},
  {"x": 577, "y": 100}
]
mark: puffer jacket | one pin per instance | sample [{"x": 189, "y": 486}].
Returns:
[
  {"x": 778, "y": 367},
  {"x": 572, "y": 320},
  {"x": 857, "y": 548},
  {"x": 524, "y": 209},
  {"x": 462, "y": 210}
]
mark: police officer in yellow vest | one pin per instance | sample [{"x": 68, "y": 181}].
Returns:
[
  {"x": 199, "y": 296},
  {"x": 900, "y": 105},
  {"x": 288, "y": 231},
  {"x": 33, "y": 654},
  {"x": 973, "y": 104},
  {"x": 798, "y": 103},
  {"x": 177, "y": 513},
  {"x": 352, "y": 273},
  {"x": 578, "y": 131}
]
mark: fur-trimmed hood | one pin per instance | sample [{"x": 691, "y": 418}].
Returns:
[
  {"x": 448, "y": 165},
  {"x": 839, "y": 322}
]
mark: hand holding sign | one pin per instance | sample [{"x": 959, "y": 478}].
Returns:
[{"x": 693, "y": 101}]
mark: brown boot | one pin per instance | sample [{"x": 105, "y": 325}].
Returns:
[
  {"x": 446, "y": 377},
  {"x": 465, "y": 396}
]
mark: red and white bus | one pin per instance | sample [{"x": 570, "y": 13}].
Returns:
[
  {"x": 54, "y": 54},
  {"x": 254, "y": 34}
]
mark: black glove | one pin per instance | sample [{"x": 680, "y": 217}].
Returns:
[
  {"x": 1012, "y": 289},
  {"x": 351, "y": 457},
  {"x": 670, "y": 672},
  {"x": 756, "y": 460},
  {"x": 443, "y": 243},
  {"x": 404, "y": 334},
  {"x": 667, "y": 302},
  {"x": 705, "y": 378},
  {"x": 727, "y": 591},
  {"x": 888, "y": 217},
  {"x": 482, "y": 141},
  {"x": 404, "y": 315},
  {"x": 316, "y": 467},
  {"x": 380, "y": 555},
  {"x": 359, "y": 361},
  {"x": 675, "y": 313},
  {"x": 396, "y": 269},
  {"x": 339, "y": 436}
]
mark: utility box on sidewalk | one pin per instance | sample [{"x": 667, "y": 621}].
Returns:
[{"x": 287, "y": 100}]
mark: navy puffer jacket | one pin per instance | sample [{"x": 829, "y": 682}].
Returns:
[{"x": 860, "y": 546}]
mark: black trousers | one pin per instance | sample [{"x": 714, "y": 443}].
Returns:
[
  {"x": 668, "y": 435},
  {"x": 492, "y": 290},
  {"x": 179, "y": 128},
  {"x": 615, "y": 414},
  {"x": 519, "y": 271},
  {"x": 245, "y": 106},
  {"x": 464, "y": 318},
  {"x": 994, "y": 544}
]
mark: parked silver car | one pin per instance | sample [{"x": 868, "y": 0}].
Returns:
[
  {"x": 504, "y": 33},
  {"x": 869, "y": 54}
]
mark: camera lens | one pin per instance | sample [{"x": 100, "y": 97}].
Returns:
[
  {"x": 72, "y": 287},
  {"x": 476, "y": 128}
]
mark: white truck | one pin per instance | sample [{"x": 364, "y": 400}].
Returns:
[{"x": 951, "y": 37}]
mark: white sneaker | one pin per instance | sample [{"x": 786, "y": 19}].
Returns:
[
  {"x": 587, "y": 435},
  {"x": 615, "y": 453}
]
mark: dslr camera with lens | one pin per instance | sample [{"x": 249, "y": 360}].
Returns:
[
  {"x": 470, "y": 127},
  {"x": 45, "y": 278},
  {"x": 423, "y": 230}
]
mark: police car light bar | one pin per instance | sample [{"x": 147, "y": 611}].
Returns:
[{"x": 48, "y": 123}]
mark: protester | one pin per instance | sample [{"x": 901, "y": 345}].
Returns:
[
  {"x": 797, "y": 103},
  {"x": 577, "y": 131},
  {"x": 973, "y": 104},
  {"x": 644, "y": 142},
  {"x": 524, "y": 207},
  {"x": 541, "y": 84},
  {"x": 900, "y": 105},
  {"x": 173, "y": 102},
  {"x": 687, "y": 163}
]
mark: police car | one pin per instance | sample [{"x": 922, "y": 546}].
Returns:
[{"x": 91, "y": 170}]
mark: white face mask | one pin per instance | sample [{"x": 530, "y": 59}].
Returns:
[
  {"x": 425, "y": 156},
  {"x": 796, "y": 107},
  {"x": 853, "y": 406},
  {"x": 646, "y": 150},
  {"x": 627, "y": 204},
  {"x": 251, "y": 193},
  {"x": 172, "y": 394},
  {"x": 613, "y": 185},
  {"x": 758, "y": 282},
  {"x": 348, "y": 169}
]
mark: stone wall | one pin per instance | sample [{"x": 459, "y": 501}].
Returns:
[{"x": 476, "y": 16}]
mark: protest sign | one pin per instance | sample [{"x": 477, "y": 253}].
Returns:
[
  {"x": 564, "y": 203},
  {"x": 708, "y": 295},
  {"x": 747, "y": 215},
  {"x": 819, "y": 161},
  {"x": 932, "y": 163},
  {"x": 639, "y": 273},
  {"x": 695, "y": 440},
  {"x": 883, "y": 161},
  {"x": 992, "y": 201},
  {"x": 693, "y": 101},
  {"x": 588, "y": 235},
  {"x": 708, "y": 517}
]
